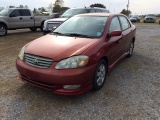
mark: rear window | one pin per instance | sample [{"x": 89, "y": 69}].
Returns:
[
  {"x": 72, "y": 12},
  {"x": 25, "y": 12}
]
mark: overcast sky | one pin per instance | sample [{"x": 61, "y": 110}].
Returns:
[{"x": 115, "y": 6}]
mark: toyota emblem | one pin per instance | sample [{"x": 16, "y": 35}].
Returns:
[{"x": 35, "y": 61}]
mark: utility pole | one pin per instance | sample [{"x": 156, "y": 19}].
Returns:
[{"x": 128, "y": 8}]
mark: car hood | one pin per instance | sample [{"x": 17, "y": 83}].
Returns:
[
  {"x": 58, "y": 47},
  {"x": 149, "y": 17},
  {"x": 57, "y": 19}
]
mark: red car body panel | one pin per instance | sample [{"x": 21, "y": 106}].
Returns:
[{"x": 61, "y": 47}]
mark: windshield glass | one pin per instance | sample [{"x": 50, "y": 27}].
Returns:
[
  {"x": 151, "y": 15},
  {"x": 5, "y": 12},
  {"x": 72, "y": 12},
  {"x": 83, "y": 26}
]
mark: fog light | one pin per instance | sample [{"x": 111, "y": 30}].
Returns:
[{"x": 70, "y": 87}]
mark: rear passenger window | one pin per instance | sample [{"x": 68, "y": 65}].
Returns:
[
  {"x": 125, "y": 23},
  {"x": 25, "y": 13},
  {"x": 97, "y": 10},
  {"x": 91, "y": 11},
  {"x": 115, "y": 25},
  {"x": 16, "y": 12}
]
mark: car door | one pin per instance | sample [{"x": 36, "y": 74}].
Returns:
[
  {"x": 27, "y": 19},
  {"x": 16, "y": 20},
  {"x": 126, "y": 32},
  {"x": 115, "y": 46}
]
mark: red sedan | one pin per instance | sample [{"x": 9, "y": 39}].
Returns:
[{"x": 77, "y": 55}]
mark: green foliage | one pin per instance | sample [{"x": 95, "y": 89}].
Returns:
[
  {"x": 58, "y": 7},
  {"x": 125, "y": 12},
  {"x": 98, "y": 5}
]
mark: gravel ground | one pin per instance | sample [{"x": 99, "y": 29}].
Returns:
[{"x": 131, "y": 92}]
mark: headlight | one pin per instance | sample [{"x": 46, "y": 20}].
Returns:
[
  {"x": 45, "y": 25},
  {"x": 21, "y": 53},
  {"x": 73, "y": 62}
]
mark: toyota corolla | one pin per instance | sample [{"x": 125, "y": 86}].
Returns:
[{"x": 77, "y": 55}]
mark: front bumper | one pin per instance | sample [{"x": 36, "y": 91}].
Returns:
[{"x": 52, "y": 79}]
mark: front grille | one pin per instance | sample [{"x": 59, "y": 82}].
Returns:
[{"x": 38, "y": 61}]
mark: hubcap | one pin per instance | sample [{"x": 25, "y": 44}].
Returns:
[
  {"x": 101, "y": 74},
  {"x": 2, "y": 30},
  {"x": 131, "y": 49}
]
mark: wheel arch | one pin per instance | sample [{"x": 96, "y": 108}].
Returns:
[
  {"x": 2, "y": 23},
  {"x": 106, "y": 60}
]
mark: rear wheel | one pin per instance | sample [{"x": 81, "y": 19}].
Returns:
[
  {"x": 100, "y": 75},
  {"x": 33, "y": 29},
  {"x": 3, "y": 30}
]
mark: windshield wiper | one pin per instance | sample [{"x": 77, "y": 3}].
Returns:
[
  {"x": 78, "y": 35},
  {"x": 58, "y": 33}
]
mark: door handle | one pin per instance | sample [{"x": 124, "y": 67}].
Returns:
[
  {"x": 31, "y": 17},
  {"x": 20, "y": 18}
]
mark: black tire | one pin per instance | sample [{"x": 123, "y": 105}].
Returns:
[
  {"x": 41, "y": 28},
  {"x": 100, "y": 75},
  {"x": 33, "y": 29},
  {"x": 130, "y": 50},
  {"x": 3, "y": 30}
]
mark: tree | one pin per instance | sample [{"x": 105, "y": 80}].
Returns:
[
  {"x": 125, "y": 12},
  {"x": 98, "y": 5},
  {"x": 41, "y": 10},
  {"x": 57, "y": 6},
  {"x": 26, "y": 7},
  {"x": 11, "y": 6},
  {"x": 50, "y": 7},
  {"x": 59, "y": 2},
  {"x": 35, "y": 11},
  {"x": 21, "y": 6}
]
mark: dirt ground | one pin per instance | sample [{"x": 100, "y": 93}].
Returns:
[{"x": 131, "y": 92}]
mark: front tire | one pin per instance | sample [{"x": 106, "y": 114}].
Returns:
[
  {"x": 3, "y": 30},
  {"x": 130, "y": 51},
  {"x": 100, "y": 75}
]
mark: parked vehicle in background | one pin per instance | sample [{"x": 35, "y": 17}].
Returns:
[
  {"x": 77, "y": 55},
  {"x": 135, "y": 19},
  {"x": 150, "y": 18},
  {"x": 54, "y": 15},
  {"x": 52, "y": 24},
  {"x": 18, "y": 18},
  {"x": 69, "y": 13}
]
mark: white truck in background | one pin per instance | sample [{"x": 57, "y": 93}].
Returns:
[{"x": 18, "y": 18}]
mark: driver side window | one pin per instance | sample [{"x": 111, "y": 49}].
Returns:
[{"x": 115, "y": 25}]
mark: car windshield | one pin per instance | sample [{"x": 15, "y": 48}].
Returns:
[
  {"x": 5, "y": 12},
  {"x": 72, "y": 12},
  {"x": 82, "y": 26},
  {"x": 151, "y": 15}
]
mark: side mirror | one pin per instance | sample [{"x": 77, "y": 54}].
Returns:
[
  {"x": 12, "y": 15},
  {"x": 115, "y": 33}
]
